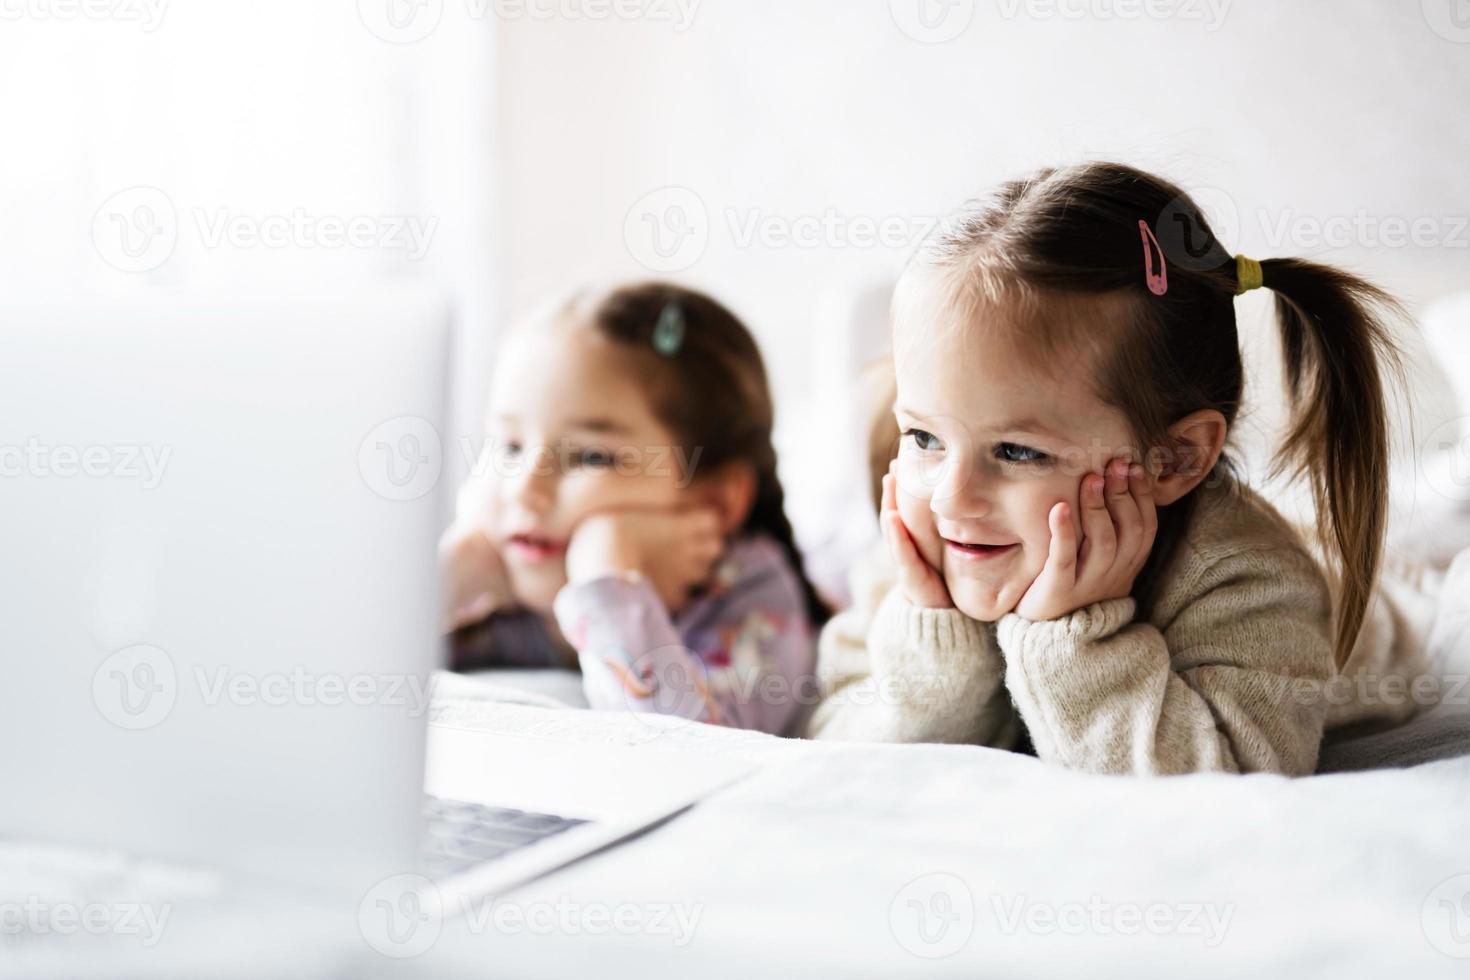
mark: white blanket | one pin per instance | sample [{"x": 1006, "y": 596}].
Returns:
[{"x": 892, "y": 860}]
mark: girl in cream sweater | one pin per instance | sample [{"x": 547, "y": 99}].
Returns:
[{"x": 1069, "y": 558}]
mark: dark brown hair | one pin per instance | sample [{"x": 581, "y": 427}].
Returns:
[
  {"x": 707, "y": 385},
  {"x": 1067, "y": 234}
]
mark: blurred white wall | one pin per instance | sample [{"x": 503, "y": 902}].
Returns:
[
  {"x": 775, "y": 111},
  {"x": 150, "y": 147}
]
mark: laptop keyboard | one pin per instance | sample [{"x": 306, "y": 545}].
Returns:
[{"x": 460, "y": 835}]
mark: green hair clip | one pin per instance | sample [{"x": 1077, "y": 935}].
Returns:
[{"x": 668, "y": 333}]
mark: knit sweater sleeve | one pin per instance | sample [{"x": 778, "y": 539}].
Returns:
[
  {"x": 737, "y": 656},
  {"x": 1231, "y": 682},
  {"x": 889, "y": 671}
]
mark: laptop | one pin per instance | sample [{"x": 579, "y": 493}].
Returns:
[{"x": 220, "y": 602}]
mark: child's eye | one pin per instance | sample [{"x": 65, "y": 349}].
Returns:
[
  {"x": 510, "y": 448},
  {"x": 925, "y": 441},
  {"x": 592, "y": 457},
  {"x": 1010, "y": 452}
]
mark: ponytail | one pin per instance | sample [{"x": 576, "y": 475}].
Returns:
[{"x": 1335, "y": 346}]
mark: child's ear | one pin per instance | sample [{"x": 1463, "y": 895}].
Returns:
[
  {"x": 730, "y": 490},
  {"x": 1195, "y": 444}
]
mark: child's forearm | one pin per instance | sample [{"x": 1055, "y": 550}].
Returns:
[
  {"x": 912, "y": 675},
  {"x": 631, "y": 655},
  {"x": 1101, "y": 693}
]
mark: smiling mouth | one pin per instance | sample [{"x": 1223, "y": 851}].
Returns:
[
  {"x": 979, "y": 551},
  {"x": 535, "y": 547}
]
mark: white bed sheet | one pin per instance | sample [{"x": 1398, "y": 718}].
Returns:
[{"x": 810, "y": 867}]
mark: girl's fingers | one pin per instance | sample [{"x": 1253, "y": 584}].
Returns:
[
  {"x": 917, "y": 577},
  {"x": 1123, "y": 507},
  {"x": 888, "y": 505},
  {"x": 911, "y": 564},
  {"x": 1062, "y": 553},
  {"x": 905, "y": 555},
  {"x": 1097, "y": 523},
  {"x": 1143, "y": 494},
  {"x": 919, "y": 581}
]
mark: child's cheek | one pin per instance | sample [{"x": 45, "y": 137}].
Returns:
[
  {"x": 1038, "y": 532},
  {"x": 536, "y": 588},
  {"x": 919, "y": 519}
]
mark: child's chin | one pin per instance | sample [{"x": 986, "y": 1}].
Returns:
[
  {"x": 977, "y": 602},
  {"x": 536, "y": 590}
]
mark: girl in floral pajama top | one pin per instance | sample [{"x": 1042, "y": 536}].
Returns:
[{"x": 626, "y": 517}]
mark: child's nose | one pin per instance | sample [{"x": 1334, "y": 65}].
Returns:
[
  {"x": 960, "y": 492},
  {"x": 534, "y": 486}
]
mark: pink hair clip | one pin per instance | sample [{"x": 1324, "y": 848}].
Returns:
[{"x": 1158, "y": 282}]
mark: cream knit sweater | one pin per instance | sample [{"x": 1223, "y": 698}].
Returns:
[{"x": 1232, "y": 671}]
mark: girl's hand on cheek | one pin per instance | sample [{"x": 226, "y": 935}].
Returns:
[
  {"x": 921, "y": 583},
  {"x": 674, "y": 549},
  {"x": 475, "y": 580},
  {"x": 1118, "y": 527}
]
